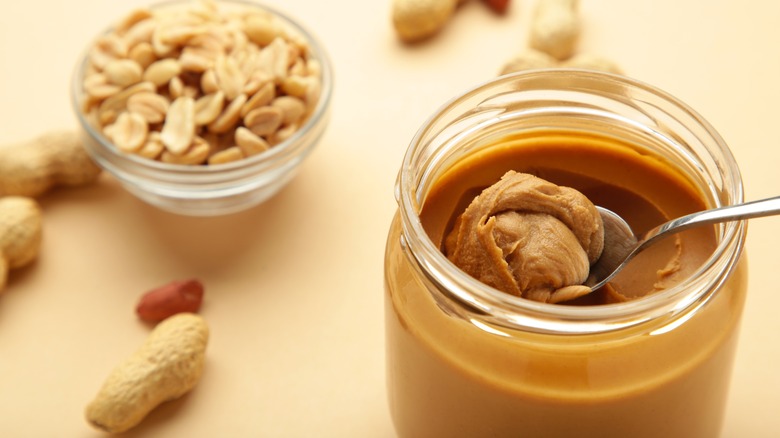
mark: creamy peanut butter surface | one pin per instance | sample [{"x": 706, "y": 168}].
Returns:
[{"x": 528, "y": 237}]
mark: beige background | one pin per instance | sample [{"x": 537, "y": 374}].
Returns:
[{"x": 294, "y": 286}]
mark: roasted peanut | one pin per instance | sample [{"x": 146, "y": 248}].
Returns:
[
  {"x": 592, "y": 62},
  {"x": 265, "y": 120},
  {"x": 230, "y": 117},
  {"x": 54, "y": 159},
  {"x": 161, "y": 72},
  {"x": 143, "y": 54},
  {"x": 197, "y": 153},
  {"x": 292, "y": 109},
  {"x": 230, "y": 78},
  {"x": 167, "y": 366},
  {"x": 529, "y": 60},
  {"x": 151, "y": 106},
  {"x": 179, "y": 128},
  {"x": 123, "y": 72},
  {"x": 533, "y": 59},
  {"x": 128, "y": 132},
  {"x": 260, "y": 29},
  {"x": 233, "y": 153},
  {"x": 249, "y": 143},
  {"x": 555, "y": 27},
  {"x": 500, "y": 6},
  {"x": 20, "y": 234},
  {"x": 196, "y": 69},
  {"x": 415, "y": 20},
  {"x": 170, "y": 299},
  {"x": 153, "y": 147},
  {"x": 554, "y": 32},
  {"x": 209, "y": 107}
]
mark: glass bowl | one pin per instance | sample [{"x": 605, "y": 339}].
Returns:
[{"x": 213, "y": 189}]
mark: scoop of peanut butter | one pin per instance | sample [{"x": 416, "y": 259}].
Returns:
[{"x": 528, "y": 237}]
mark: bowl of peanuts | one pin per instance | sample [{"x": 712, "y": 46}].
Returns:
[{"x": 203, "y": 107}]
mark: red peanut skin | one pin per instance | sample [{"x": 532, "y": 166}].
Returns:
[
  {"x": 170, "y": 299},
  {"x": 500, "y": 6}
]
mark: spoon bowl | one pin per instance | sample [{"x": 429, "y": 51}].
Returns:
[{"x": 621, "y": 244}]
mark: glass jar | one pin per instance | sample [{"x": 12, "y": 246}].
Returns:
[{"x": 464, "y": 359}]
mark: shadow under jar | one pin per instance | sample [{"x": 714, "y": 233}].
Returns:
[{"x": 464, "y": 359}]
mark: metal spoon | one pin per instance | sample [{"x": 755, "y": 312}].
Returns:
[{"x": 621, "y": 245}]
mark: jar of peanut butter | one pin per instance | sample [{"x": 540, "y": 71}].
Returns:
[{"x": 648, "y": 356}]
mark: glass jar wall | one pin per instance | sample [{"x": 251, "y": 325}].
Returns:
[{"x": 464, "y": 359}]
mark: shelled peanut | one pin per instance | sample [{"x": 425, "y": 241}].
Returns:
[{"x": 201, "y": 83}]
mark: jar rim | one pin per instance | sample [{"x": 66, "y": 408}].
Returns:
[{"x": 505, "y": 310}]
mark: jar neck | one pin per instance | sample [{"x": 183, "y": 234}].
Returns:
[{"x": 575, "y": 100}]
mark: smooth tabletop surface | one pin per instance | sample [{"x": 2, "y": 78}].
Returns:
[{"x": 294, "y": 287}]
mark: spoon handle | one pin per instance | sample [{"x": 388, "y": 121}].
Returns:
[{"x": 760, "y": 208}]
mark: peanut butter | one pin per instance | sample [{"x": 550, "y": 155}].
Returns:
[
  {"x": 452, "y": 373},
  {"x": 528, "y": 237}
]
